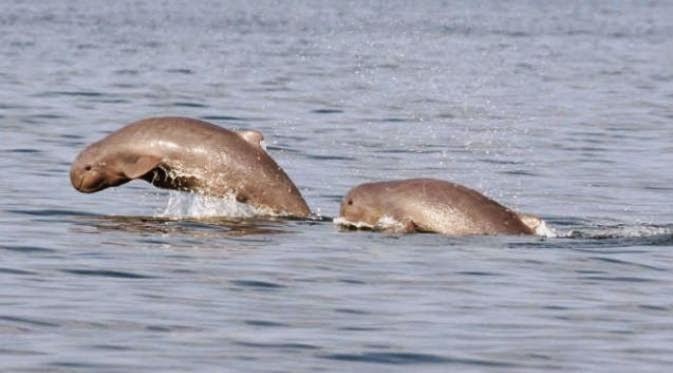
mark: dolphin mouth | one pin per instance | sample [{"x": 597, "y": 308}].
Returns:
[
  {"x": 87, "y": 190},
  {"x": 92, "y": 188},
  {"x": 80, "y": 186},
  {"x": 76, "y": 181}
]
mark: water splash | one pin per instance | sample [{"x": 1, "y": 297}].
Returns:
[
  {"x": 182, "y": 205},
  {"x": 385, "y": 223},
  {"x": 544, "y": 230},
  {"x": 619, "y": 231}
]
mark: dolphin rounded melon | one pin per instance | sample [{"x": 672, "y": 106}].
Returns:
[{"x": 191, "y": 155}]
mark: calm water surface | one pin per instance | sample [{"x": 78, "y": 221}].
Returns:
[{"x": 563, "y": 110}]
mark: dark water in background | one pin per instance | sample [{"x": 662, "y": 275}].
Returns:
[{"x": 563, "y": 110}]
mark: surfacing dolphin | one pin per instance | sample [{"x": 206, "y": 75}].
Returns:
[
  {"x": 430, "y": 205},
  {"x": 190, "y": 155}
]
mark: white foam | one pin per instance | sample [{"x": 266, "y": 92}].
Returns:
[
  {"x": 195, "y": 205},
  {"x": 384, "y": 223},
  {"x": 345, "y": 222},
  {"x": 389, "y": 223},
  {"x": 543, "y": 230}
]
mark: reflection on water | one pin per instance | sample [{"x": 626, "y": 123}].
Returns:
[{"x": 203, "y": 227}]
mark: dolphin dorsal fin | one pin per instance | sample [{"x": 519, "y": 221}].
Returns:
[{"x": 255, "y": 138}]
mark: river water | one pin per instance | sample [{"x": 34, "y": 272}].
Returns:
[{"x": 562, "y": 110}]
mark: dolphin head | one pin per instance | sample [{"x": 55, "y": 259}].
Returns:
[
  {"x": 95, "y": 169},
  {"x": 362, "y": 205}
]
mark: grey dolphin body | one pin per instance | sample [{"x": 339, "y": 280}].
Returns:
[
  {"x": 192, "y": 155},
  {"x": 432, "y": 206}
]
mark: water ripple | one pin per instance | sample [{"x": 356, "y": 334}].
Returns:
[
  {"x": 406, "y": 358},
  {"x": 257, "y": 284},
  {"x": 351, "y": 311},
  {"x": 180, "y": 71},
  {"x": 79, "y": 365},
  {"x": 16, "y": 352},
  {"x": 52, "y": 212},
  {"x": 24, "y": 150},
  {"x": 327, "y": 111},
  {"x": 618, "y": 279},
  {"x": 106, "y": 273},
  {"x": 111, "y": 347},
  {"x": 189, "y": 104},
  {"x": 478, "y": 273},
  {"x": 265, "y": 323},
  {"x": 74, "y": 93},
  {"x": 12, "y": 271},
  {"x": 627, "y": 263},
  {"x": 330, "y": 157},
  {"x": 24, "y": 320},
  {"x": 27, "y": 249},
  {"x": 278, "y": 346},
  {"x": 223, "y": 118}
]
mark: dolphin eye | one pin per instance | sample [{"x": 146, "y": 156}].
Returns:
[
  {"x": 350, "y": 202},
  {"x": 87, "y": 167}
]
